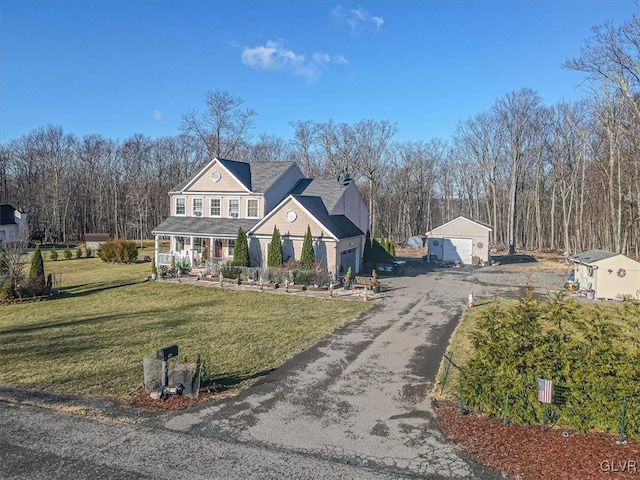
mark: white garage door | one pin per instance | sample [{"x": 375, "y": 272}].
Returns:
[
  {"x": 457, "y": 250},
  {"x": 348, "y": 258}
]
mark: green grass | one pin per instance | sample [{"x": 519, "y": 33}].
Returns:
[
  {"x": 92, "y": 339},
  {"x": 460, "y": 350}
]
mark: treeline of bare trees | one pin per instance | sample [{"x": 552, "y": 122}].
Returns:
[{"x": 563, "y": 176}]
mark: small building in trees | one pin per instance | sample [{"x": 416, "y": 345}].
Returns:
[
  {"x": 208, "y": 208},
  {"x": 94, "y": 240},
  {"x": 607, "y": 275},
  {"x": 459, "y": 240},
  {"x": 13, "y": 224}
]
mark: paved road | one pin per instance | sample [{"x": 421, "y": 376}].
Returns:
[{"x": 355, "y": 406}]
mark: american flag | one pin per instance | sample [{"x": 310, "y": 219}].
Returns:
[{"x": 545, "y": 389}]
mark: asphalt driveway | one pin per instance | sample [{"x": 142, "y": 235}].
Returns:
[{"x": 361, "y": 397}]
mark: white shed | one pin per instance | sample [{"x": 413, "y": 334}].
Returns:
[
  {"x": 607, "y": 275},
  {"x": 459, "y": 240}
]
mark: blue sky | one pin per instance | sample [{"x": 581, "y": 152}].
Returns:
[{"x": 118, "y": 68}]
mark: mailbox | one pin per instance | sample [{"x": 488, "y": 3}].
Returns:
[{"x": 166, "y": 353}]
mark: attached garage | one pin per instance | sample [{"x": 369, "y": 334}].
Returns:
[
  {"x": 349, "y": 258},
  {"x": 459, "y": 240}
]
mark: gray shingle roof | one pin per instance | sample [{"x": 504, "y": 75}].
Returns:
[
  {"x": 329, "y": 191},
  {"x": 181, "y": 187},
  {"x": 264, "y": 174},
  {"x": 338, "y": 225},
  {"x": 227, "y": 227},
  {"x": 592, "y": 256},
  {"x": 240, "y": 170},
  {"x": 256, "y": 176}
]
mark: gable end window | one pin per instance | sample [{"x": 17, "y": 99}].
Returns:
[{"x": 181, "y": 206}]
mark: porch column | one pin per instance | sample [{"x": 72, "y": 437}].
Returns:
[
  {"x": 156, "y": 248},
  {"x": 191, "y": 251}
]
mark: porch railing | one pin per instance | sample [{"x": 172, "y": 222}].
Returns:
[{"x": 165, "y": 258}]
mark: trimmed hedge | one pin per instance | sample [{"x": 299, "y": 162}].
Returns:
[
  {"x": 595, "y": 356},
  {"x": 118, "y": 251}
]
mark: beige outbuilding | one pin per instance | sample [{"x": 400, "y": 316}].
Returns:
[
  {"x": 459, "y": 240},
  {"x": 607, "y": 275}
]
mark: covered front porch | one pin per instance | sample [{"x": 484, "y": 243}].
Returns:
[
  {"x": 195, "y": 241},
  {"x": 193, "y": 250}
]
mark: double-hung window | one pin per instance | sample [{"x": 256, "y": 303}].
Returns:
[
  {"x": 234, "y": 208},
  {"x": 252, "y": 208},
  {"x": 181, "y": 206},
  {"x": 197, "y": 207},
  {"x": 215, "y": 208},
  {"x": 232, "y": 247}
]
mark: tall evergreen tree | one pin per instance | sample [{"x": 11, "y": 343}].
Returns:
[
  {"x": 367, "y": 253},
  {"x": 274, "y": 258},
  {"x": 384, "y": 244},
  {"x": 307, "y": 257},
  {"x": 37, "y": 281},
  {"x": 241, "y": 250}
]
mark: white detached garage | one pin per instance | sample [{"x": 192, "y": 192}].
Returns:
[{"x": 459, "y": 240}]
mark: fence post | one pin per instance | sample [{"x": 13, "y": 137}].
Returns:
[
  {"x": 446, "y": 371},
  {"x": 462, "y": 410},
  {"x": 622, "y": 426},
  {"x": 505, "y": 418}
]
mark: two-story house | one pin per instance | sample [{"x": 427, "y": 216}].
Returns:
[{"x": 208, "y": 209}]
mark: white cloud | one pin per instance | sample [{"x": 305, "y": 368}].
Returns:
[
  {"x": 321, "y": 57},
  {"x": 378, "y": 21},
  {"x": 340, "y": 60},
  {"x": 274, "y": 56},
  {"x": 157, "y": 114},
  {"x": 357, "y": 18}
]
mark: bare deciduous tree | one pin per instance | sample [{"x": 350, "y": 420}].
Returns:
[
  {"x": 517, "y": 113},
  {"x": 305, "y": 136},
  {"x": 223, "y": 127}
]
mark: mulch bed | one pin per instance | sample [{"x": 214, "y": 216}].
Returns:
[
  {"x": 142, "y": 398},
  {"x": 529, "y": 453}
]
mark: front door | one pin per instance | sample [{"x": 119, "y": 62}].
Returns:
[{"x": 218, "y": 249}]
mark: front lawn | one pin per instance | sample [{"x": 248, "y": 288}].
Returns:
[{"x": 93, "y": 338}]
